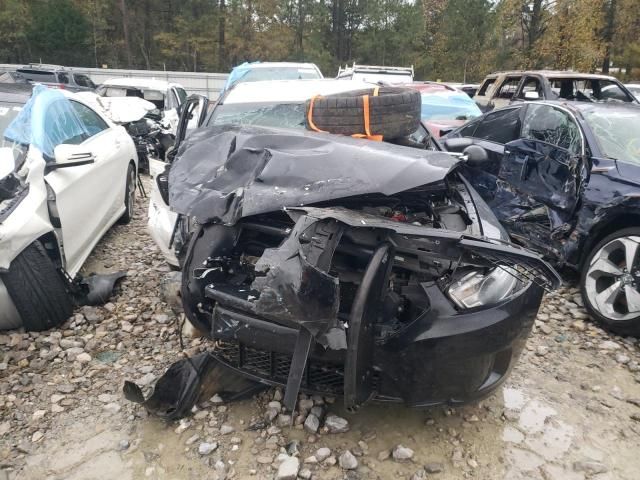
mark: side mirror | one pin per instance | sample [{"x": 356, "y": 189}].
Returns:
[
  {"x": 70, "y": 156},
  {"x": 476, "y": 155},
  {"x": 531, "y": 95},
  {"x": 457, "y": 144}
]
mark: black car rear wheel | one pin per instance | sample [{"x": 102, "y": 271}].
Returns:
[{"x": 610, "y": 282}]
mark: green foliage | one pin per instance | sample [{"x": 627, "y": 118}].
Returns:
[
  {"x": 14, "y": 23},
  {"x": 58, "y": 33},
  {"x": 452, "y": 40}
]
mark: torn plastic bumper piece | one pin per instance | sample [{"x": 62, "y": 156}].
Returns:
[
  {"x": 188, "y": 381},
  {"x": 96, "y": 289}
]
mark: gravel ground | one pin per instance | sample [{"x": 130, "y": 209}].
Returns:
[{"x": 569, "y": 411}]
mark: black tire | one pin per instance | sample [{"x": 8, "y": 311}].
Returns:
[
  {"x": 38, "y": 289},
  {"x": 129, "y": 196},
  {"x": 628, "y": 327},
  {"x": 394, "y": 113}
]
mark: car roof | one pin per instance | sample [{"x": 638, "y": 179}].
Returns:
[
  {"x": 576, "y": 107},
  {"x": 592, "y": 106},
  {"x": 137, "y": 82},
  {"x": 290, "y": 90},
  {"x": 253, "y": 65},
  {"x": 425, "y": 87},
  {"x": 15, "y": 92},
  {"x": 42, "y": 67},
  {"x": 553, "y": 73}
]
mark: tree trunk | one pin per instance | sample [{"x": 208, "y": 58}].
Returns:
[
  {"x": 607, "y": 36},
  {"x": 125, "y": 30},
  {"x": 337, "y": 21},
  {"x": 300, "y": 30},
  {"x": 535, "y": 32},
  {"x": 222, "y": 62}
]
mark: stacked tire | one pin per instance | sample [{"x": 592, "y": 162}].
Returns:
[{"x": 393, "y": 112}]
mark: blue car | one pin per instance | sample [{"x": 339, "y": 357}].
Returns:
[{"x": 259, "y": 71}]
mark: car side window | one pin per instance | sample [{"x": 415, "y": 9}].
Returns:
[
  {"x": 84, "y": 81},
  {"x": 611, "y": 91},
  {"x": 508, "y": 88},
  {"x": 173, "y": 99},
  {"x": 62, "y": 126},
  {"x": 91, "y": 121},
  {"x": 531, "y": 84},
  {"x": 501, "y": 126},
  {"x": 468, "y": 130},
  {"x": 182, "y": 95},
  {"x": 485, "y": 86},
  {"x": 552, "y": 125},
  {"x": 63, "y": 78}
]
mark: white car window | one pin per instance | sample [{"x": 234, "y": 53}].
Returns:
[
  {"x": 182, "y": 95},
  {"x": 91, "y": 121}
]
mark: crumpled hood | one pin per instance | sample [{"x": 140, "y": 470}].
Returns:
[
  {"x": 229, "y": 172},
  {"x": 120, "y": 110}
]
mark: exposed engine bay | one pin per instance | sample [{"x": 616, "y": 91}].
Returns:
[{"x": 239, "y": 273}]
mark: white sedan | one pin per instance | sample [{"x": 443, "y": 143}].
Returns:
[{"x": 67, "y": 174}]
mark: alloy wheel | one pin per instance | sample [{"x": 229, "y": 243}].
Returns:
[{"x": 613, "y": 279}]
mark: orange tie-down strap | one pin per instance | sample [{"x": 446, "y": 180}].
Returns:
[
  {"x": 312, "y": 125},
  {"x": 366, "y": 118}
]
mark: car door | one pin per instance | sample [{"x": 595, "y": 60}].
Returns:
[
  {"x": 483, "y": 95},
  {"x": 162, "y": 220},
  {"x": 545, "y": 169},
  {"x": 89, "y": 198},
  {"x": 171, "y": 113},
  {"x": 491, "y": 132}
]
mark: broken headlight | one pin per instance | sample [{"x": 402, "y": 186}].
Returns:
[{"x": 479, "y": 288}]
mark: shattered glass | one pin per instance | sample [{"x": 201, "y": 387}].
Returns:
[
  {"x": 287, "y": 115},
  {"x": 617, "y": 132},
  {"x": 552, "y": 126}
]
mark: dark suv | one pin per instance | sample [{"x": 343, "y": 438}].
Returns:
[
  {"x": 503, "y": 88},
  {"x": 57, "y": 77},
  {"x": 564, "y": 180}
]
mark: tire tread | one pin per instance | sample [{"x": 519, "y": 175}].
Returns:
[{"x": 38, "y": 289}]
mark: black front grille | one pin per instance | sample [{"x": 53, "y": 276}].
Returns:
[{"x": 273, "y": 366}]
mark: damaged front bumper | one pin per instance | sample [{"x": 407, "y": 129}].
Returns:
[{"x": 353, "y": 304}]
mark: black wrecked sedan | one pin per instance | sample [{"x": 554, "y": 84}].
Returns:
[
  {"x": 564, "y": 179},
  {"x": 337, "y": 265}
]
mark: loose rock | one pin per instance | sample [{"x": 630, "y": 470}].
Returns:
[
  {"x": 348, "y": 461},
  {"x": 288, "y": 469},
  {"x": 336, "y": 424}
]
